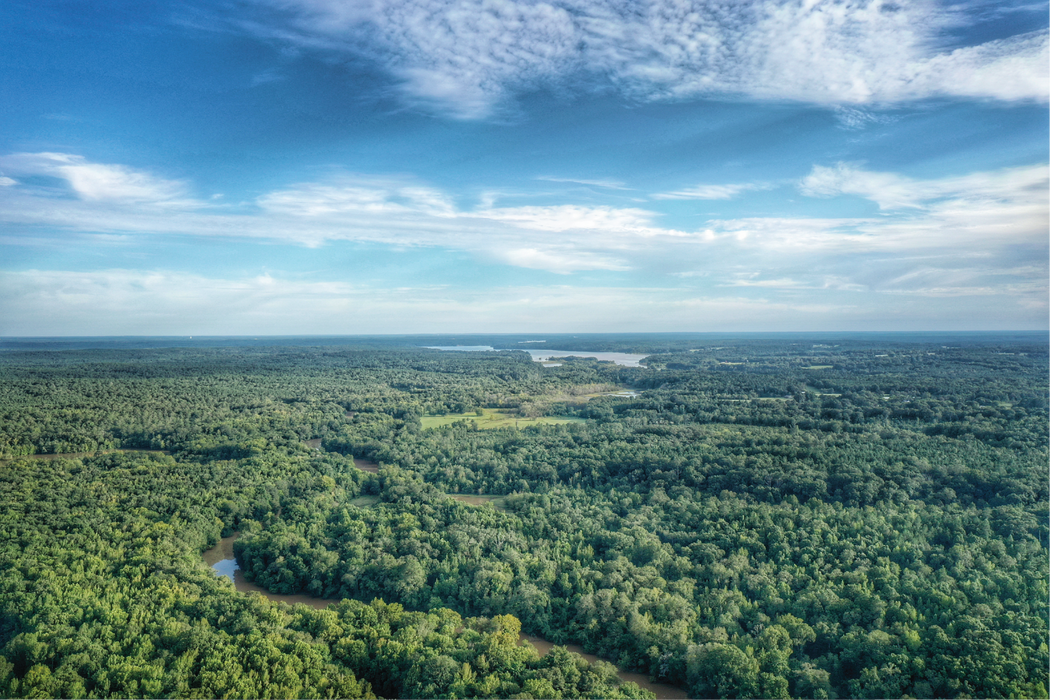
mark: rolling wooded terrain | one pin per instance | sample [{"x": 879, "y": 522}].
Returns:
[{"x": 857, "y": 517}]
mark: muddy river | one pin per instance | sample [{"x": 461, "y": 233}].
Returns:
[{"x": 220, "y": 558}]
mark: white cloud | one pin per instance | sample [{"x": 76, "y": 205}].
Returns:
[
  {"x": 1022, "y": 282},
  {"x": 711, "y": 191},
  {"x": 971, "y": 195},
  {"x": 996, "y": 217},
  {"x": 555, "y": 261},
  {"x": 888, "y": 190},
  {"x": 7, "y": 182},
  {"x": 786, "y": 235},
  {"x": 1008, "y": 69},
  {"x": 607, "y": 184},
  {"x": 333, "y": 200},
  {"x": 465, "y": 58},
  {"x": 356, "y": 195},
  {"x": 985, "y": 212},
  {"x": 976, "y": 236},
  {"x": 782, "y": 283},
  {"x": 607, "y": 220},
  {"x": 99, "y": 181},
  {"x": 267, "y": 76},
  {"x": 398, "y": 211},
  {"x": 855, "y": 118}
]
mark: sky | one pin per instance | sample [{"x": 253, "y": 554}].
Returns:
[{"x": 288, "y": 167}]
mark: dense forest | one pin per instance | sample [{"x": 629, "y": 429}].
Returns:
[{"x": 763, "y": 517}]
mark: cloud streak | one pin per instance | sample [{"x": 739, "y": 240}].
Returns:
[
  {"x": 711, "y": 191},
  {"x": 469, "y": 58},
  {"x": 606, "y": 184},
  {"x": 997, "y": 217},
  {"x": 99, "y": 182},
  {"x": 893, "y": 191}
]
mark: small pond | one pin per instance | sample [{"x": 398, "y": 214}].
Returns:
[{"x": 461, "y": 348}]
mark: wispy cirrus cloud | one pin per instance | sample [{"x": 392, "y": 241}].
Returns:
[
  {"x": 998, "y": 218},
  {"x": 467, "y": 58},
  {"x": 894, "y": 191},
  {"x": 99, "y": 182},
  {"x": 752, "y": 280},
  {"x": 114, "y": 199},
  {"x": 607, "y": 184},
  {"x": 345, "y": 195},
  {"x": 855, "y": 118},
  {"x": 712, "y": 191},
  {"x": 562, "y": 260},
  {"x": 569, "y": 217},
  {"x": 972, "y": 280}
]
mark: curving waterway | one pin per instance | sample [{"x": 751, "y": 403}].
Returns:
[{"x": 220, "y": 558}]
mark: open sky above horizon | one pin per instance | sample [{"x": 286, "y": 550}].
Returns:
[{"x": 292, "y": 167}]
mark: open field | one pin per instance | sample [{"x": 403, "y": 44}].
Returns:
[
  {"x": 366, "y": 465},
  {"x": 479, "y": 500},
  {"x": 492, "y": 418}
]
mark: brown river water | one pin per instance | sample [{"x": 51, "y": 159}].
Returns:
[{"x": 220, "y": 558}]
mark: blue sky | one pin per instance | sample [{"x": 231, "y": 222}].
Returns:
[{"x": 343, "y": 167}]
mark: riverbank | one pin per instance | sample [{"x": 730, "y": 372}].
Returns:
[{"x": 221, "y": 560}]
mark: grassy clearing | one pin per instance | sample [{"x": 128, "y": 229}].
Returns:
[
  {"x": 492, "y": 418},
  {"x": 364, "y": 501},
  {"x": 619, "y": 393},
  {"x": 366, "y": 465},
  {"x": 819, "y": 367},
  {"x": 495, "y": 501}
]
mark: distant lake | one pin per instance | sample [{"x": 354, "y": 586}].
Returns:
[
  {"x": 627, "y": 359},
  {"x": 460, "y": 348}
]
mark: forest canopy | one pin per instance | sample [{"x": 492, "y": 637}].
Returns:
[{"x": 740, "y": 517}]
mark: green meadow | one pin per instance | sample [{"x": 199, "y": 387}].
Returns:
[{"x": 492, "y": 418}]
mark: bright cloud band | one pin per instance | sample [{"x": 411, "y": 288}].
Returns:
[{"x": 467, "y": 58}]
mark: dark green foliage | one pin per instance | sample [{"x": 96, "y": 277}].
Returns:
[{"x": 747, "y": 526}]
